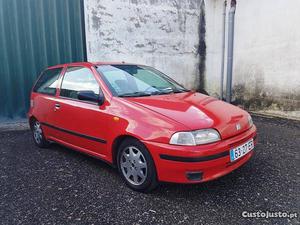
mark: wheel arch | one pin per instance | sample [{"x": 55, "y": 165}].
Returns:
[
  {"x": 116, "y": 143},
  {"x": 31, "y": 120}
]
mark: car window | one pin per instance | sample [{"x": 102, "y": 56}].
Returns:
[
  {"x": 151, "y": 79},
  {"x": 134, "y": 80},
  {"x": 47, "y": 82},
  {"x": 78, "y": 79},
  {"x": 115, "y": 77}
]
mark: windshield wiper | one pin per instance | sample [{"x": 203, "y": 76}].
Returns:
[
  {"x": 162, "y": 91},
  {"x": 158, "y": 92},
  {"x": 181, "y": 90},
  {"x": 168, "y": 91},
  {"x": 135, "y": 94}
]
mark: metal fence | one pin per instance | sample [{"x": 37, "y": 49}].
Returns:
[{"x": 35, "y": 34}]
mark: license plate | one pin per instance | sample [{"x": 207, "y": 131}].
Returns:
[{"x": 241, "y": 150}]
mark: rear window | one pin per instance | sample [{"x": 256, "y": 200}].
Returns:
[{"x": 47, "y": 83}]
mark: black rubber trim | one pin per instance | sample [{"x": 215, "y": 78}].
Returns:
[
  {"x": 75, "y": 133},
  {"x": 194, "y": 159}
]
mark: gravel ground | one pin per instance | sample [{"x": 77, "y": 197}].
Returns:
[{"x": 61, "y": 186}]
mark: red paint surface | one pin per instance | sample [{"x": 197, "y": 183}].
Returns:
[{"x": 151, "y": 119}]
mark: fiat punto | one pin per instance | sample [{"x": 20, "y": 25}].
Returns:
[{"x": 141, "y": 121}]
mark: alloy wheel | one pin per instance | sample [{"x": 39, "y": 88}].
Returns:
[
  {"x": 37, "y": 132},
  {"x": 133, "y": 165}
]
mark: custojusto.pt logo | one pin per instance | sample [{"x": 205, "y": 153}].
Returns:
[{"x": 269, "y": 214}]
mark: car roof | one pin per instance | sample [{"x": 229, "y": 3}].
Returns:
[{"x": 90, "y": 64}]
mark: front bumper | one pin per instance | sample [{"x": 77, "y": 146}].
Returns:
[{"x": 195, "y": 164}]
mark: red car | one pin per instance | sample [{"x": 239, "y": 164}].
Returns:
[{"x": 141, "y": 121}]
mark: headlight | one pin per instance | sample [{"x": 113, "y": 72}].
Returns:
[
  {"x": 250, "y": 121},
  {"x": 197, "y": 137}
]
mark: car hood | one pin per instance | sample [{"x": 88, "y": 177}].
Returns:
[{"x": 197, "y": 111}]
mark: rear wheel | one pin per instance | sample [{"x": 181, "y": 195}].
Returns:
[
  {"x": 38, "y": 135},
  {"x": 136, "y": 166}
]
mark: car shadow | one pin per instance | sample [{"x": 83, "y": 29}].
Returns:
[
  {"x": 96, "y": 163},
  {"x": 248, "y": 179}
]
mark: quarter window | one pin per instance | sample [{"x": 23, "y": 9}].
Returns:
[
  {"x": 47, "y": 83},
  {"x": 78, "y": 79}
]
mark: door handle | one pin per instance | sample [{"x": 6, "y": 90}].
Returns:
[{"x": 57, "y": 106}]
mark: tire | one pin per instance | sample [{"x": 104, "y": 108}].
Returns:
[
  {"x": 136, "y": 166},
  {"x": 38, "y": 135}
]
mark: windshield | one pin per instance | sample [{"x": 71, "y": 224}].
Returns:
[{"x": 134, "y": 81}]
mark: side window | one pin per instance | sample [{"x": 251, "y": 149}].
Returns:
[
  {"x": 78, "y": 79},
  {"x": 48, "y": 82}
]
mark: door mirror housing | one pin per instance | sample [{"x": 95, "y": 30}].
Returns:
[{"x": 91, "y": 96}]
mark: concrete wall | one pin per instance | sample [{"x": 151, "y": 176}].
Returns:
[
  {"x": 160, "y": 33},
  {"x": 266, "y": 72},
  {"x": 167, "y": 34}
]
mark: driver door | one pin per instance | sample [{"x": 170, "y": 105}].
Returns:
[{"x": 79, "y": 123}]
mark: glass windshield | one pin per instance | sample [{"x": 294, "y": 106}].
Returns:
[{"x": 134, "y": 81}]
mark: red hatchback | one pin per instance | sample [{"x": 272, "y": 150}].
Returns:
[{"x": 141, "y": 121}]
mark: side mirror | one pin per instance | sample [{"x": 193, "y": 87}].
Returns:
[
  {"x": 91, "y": 96},
  {"x": 101, "y": 98}
]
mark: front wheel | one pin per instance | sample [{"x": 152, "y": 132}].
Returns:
[
  {"x": 136, "y": 166},
  {"x": 38, "y": 135}
]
